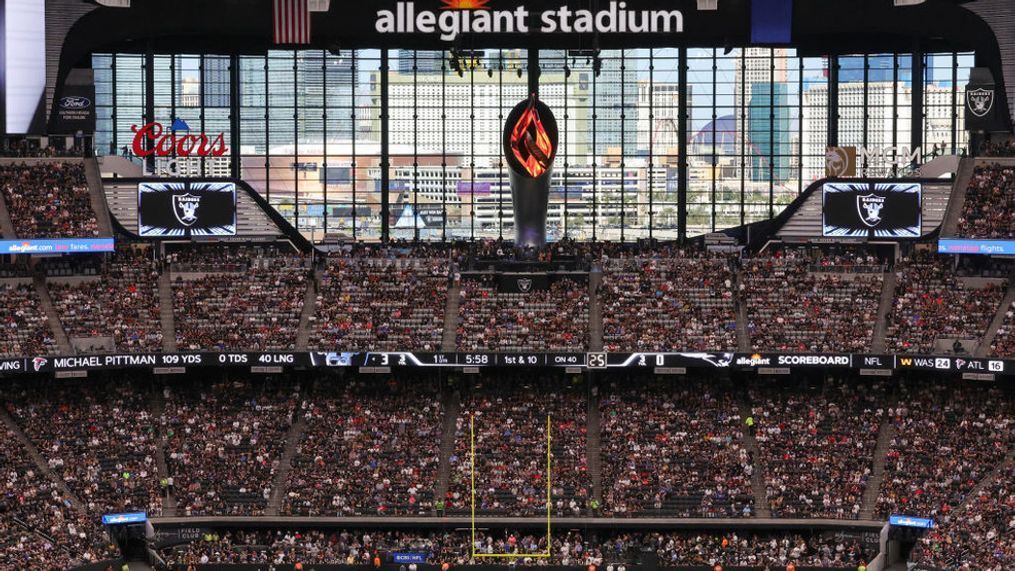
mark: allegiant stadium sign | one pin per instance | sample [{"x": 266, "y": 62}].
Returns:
[{"x": 475, "y": 17}]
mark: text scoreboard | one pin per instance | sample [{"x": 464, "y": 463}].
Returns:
[{"x": 277, "y": 362}]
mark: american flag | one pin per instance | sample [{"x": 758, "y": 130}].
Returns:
[{"x": 291, "y": 21}]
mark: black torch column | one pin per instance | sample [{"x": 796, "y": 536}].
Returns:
[{"x": 530, "y": 144}]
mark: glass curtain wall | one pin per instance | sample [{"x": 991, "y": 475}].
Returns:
[{"x": 309, "y": 133}]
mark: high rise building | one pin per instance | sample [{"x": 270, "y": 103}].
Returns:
[
  {"x": 768, "y": 132},
  {"x": 614, "y": 97},
  {"x": 425, "y": 61},
  {"x": 661, "y": 129},
  {"x": 880, "y": 68},
  {"x": 763, "y": 128},
  {"x": 215, "y": 81}
]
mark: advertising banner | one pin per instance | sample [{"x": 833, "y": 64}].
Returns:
[
  {"x": 57, "y": 246},
  {"x": 75, "y": 110},
  {"x": 982, "y": 247},
  {"x": 872, "y": 210},
  {"x": 910, "y": 521},
  {"x": 183, "y": 209},
  {"x": 124, "y": 518}
]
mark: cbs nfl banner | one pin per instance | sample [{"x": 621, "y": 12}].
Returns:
[
  {"x": 871, "y": 210},
  {"x": 185, "y": 209}
]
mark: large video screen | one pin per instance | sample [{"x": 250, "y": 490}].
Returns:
[
  {"x": 183, "y": 209},
  {"x": 872, "y": 209}
]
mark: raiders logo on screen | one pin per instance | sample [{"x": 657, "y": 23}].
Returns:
[
  {"x": 186, "y": 209},
  {"x": 525, "y": 285},
  {"x": 870, "y": 206},
  {"x": 872, "y": 209},
  {"x": 980, "y": 101}
]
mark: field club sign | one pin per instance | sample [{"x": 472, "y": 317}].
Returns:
[{"x": 475, "y": 17}]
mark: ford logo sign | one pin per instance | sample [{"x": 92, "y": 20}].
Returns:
[{"x": 75, "y": 102}]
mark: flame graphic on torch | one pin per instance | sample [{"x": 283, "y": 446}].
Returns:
[
  {"x": 465, "y": 5},
  {"x": 530, "y": 142}
]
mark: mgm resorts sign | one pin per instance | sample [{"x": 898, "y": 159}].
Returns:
[
  {"x": 456, "y": 17},
  {"x": 847, "y": 162}
]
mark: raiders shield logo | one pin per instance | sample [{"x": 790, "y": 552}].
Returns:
[
  {"x": 980, "y": 101},
  {"x": 185, "y": 208},
  {"x": 869, "y": 207},
  {"x": 524, "y": 285}
]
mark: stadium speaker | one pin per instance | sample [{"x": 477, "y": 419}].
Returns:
[{"x": 708, "y": 5}]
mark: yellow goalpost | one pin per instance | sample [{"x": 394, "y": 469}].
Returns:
[{"x": 549, "y": 543}]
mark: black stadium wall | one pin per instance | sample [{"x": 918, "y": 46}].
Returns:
[{"x": 819, "y": 27}]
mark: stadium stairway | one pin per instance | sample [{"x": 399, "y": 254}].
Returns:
[
  {"x": 54, "y": 319},
  {"x": 285, "y": 465},
  {"x": 309, "y": 308},
  {"x": 595, "y": 311},
  {"x": 6, "y": 225},
  {"x": 761, "y": 508},
  {"x": 157, "y": 404},
  {"x": 983, "y": 348},
  {"x": 40, "y": 462},
  {"x": 869, "y": 503},
  {"x": 452, "y": 410},
  {"x": 743, "y": 337},
  {"x": 958, "y": 196},
  {"x": 166, "y": 312},
  {"x": 884, "y": 307},
  {"x": 593, "y": 444},
  {"x": 97, "y": 193},
  {"x": 448, "y": 341}
]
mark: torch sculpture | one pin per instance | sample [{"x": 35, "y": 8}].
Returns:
[{"x": 530, "y": 143}]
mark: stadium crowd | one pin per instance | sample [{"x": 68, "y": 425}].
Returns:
[
  {"x": 368, "y": 448},
  {"x": 381, "y": 304},
  {"x": 228, "y": 257},
  {"x": 224, "y": 442},
  {"x": 658, "y": 304},
  {"x": 309, "y": 547},
  {"x": 817, "y": 447},
  {"x": 48, "y": 199},
  {"x": 947, "y": 438},
  {"x": 509, "y": 424},
  {"x": 673, "y": 450},
  {"x": 256, "y": 308},
  {"x": 979, "y": 535},
  {"x": 1000, "y": 148},
  {"x": 39, "y": 527},
  {"x": 989, "y": 203},
  {"x": 932, "y": 304},
  {"x": 554, "y": 319},
  {"x": 122, "y": 303},
  {"x": 791, "y": 308},
  {"x": 82, "y": 432},
  {"x": 24, "y": 326}
]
